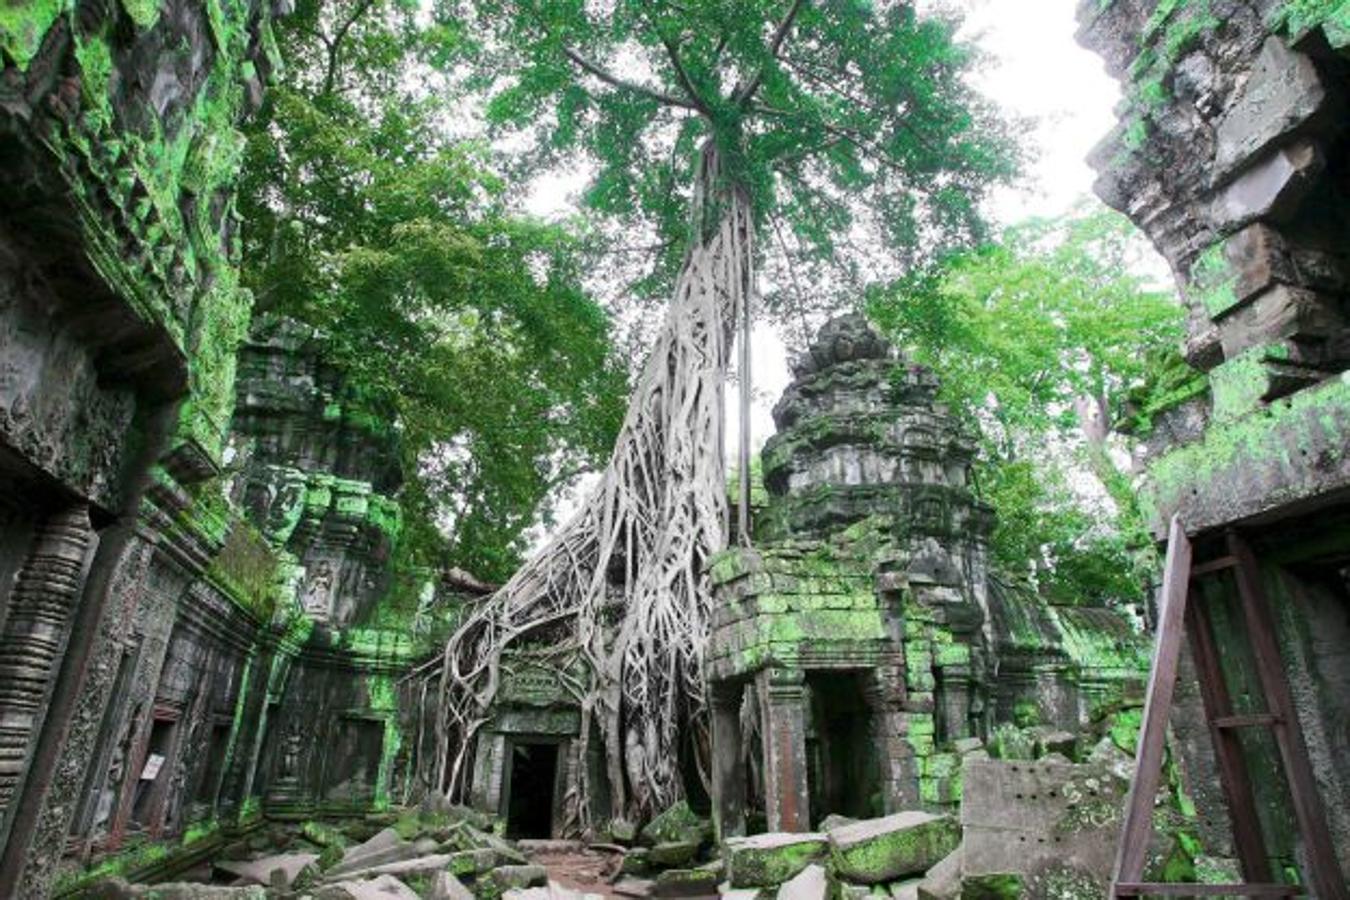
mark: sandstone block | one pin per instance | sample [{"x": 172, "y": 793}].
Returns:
[
  {"x": 880, "y": 850},
  {"x": 810, "y": 883},
  {"x": 385, "y": 887},
  {"x": 1283, "y": 93},
  {"x": 768, "y": 859},
  {"x": 673, "y": 854}
]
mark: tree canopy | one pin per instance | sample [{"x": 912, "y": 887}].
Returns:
[
  {"x": 1049, "y": 341},
  {"x": 850, "y": 124},
  {"x": 367, "y": 221}
]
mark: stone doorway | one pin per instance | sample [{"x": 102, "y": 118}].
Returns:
[
  {"x": 530, "y": 790},
  {"x": 840, "y": 771}
]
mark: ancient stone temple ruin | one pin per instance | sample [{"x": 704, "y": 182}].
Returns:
[
  {"x": 208, "y": 627},
  {"x": 865, "y": 630},
  {"x": 1231, "y": 154},
  {"x": 200, "y": 619}
]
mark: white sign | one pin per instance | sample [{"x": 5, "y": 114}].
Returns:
[{"x": 153, "y": 763}]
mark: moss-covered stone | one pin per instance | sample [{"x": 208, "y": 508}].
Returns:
[
  {"x": 880, "y": 850},
  {"x": 769, "y": 859}
]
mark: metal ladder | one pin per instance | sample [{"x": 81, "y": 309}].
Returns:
[{"x": 1178, "y": 615}]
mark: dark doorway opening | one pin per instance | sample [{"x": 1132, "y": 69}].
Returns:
[
  {"x": 534, "y": 774},
  {"x": 840, "y": 774}
]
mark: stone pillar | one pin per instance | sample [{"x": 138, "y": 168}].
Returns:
[
  {"x": 893, "y": 755},
  {"x": 782, "y": 695},
  {"x": 46, "y": 593},
  {"x": 728, "y": 775},
  {"x": 489, "y": 768}
]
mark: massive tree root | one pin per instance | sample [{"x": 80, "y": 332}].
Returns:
[{"x": 621, "y": 587}]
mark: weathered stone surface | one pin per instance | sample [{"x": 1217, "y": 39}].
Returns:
[
  {"x": 504, "y": 878},
  {"x": 880, "y": 850},
  {"x": 1282, "y": 93},
  {"x": 769, "y": 859},
  {"x": 402, "y": 869},
  {"x": 385, "y": 887},
  {"x": 259, "y": 871},
  {"x": 1273, "y": 189},
  {"x": 677, "y": 824},
  {"x": 445, "y": 886},
  {"x": 673, "y": 854},
  {"x": 942, "y": 881},
  {"x": 471, "y": 862},
  {"x": 384, "y": 847},
  {"x": 119, "y": 889},
  {"x": 812, "y": 883},
  {"x": 685, "y": 883},
  {"x": 1022, "y": 819}
]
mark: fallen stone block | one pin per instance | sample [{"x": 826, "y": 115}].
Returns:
[
  {"x": 685, "y": 883},
  {"x": 385, "y": 887},
  {"x": 635, "y": 861},
  {"x": 729, "y": 893},
  {"x": 506, "y": 878},
  {"x": 403, "y": 850},
  {"x": 471, "y": 862},
  {"x": 679, "y": 823},
  {"x": 634, "y": 887},
  {"x": 834, "y": 820},
  {"x": 880, "y": 850},
  {"x": 810, "y": 883},
  {"x": 119, "y": 889},
  {"x": 943, "y": 881},
  {"x": 768, "y": 859},
  {"x": 259, "y": 871},
  {"x": 904, "y": 890},
  {"x": 445, "y": 886},
  {"x": 673, "y": 854},
  {"x": 1042, "y": 821},
  {"x": 405, "y": 868}
]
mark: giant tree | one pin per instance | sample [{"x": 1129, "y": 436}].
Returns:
[{"x": 823, "y": 141}]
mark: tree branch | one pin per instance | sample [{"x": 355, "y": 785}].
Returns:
[
  {"x": 623, "y": 84},
  {"x": 336, "y": 43},
  {"x": 743, "y": 95}
]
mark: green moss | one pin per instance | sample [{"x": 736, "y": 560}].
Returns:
[
  {"x": 1311, "y": 424},
  {"x": 991, "y": 887},
  {"x": 1297, "y": 18},
  {"x": 23, "y": 25}
]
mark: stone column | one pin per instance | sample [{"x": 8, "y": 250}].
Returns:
[
  {"x": 728, "y": 775},
  {"x": 489, "y": 768},
  {"x": 46, "y": 593},
  {"x": 782, "y": 697},
  {"x": 894, "y": 757}
]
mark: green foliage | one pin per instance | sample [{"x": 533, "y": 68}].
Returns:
[
  {"x": 1048, "y": 342},
  {"x": 470, "y": 324},
  {"x": 850, "y": 124}
]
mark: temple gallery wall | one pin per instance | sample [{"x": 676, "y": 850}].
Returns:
[{"x": 213, "y": 668}]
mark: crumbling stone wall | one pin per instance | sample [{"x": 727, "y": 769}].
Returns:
[
  {"x": 870, "y": 574},
  {"x": 1231, "y": 154},
  {"x": 200, "y": 619}
]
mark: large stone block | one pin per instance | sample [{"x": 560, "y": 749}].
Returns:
[
  {"x": 1282, "y": 93},
  {"x": 812, "y": 883},
  {"x": 1026, "y": 819},
  {"x": 1272, "y": 189},
  {"x": 768, "y": 859},
  {"x": 875, "y": 851}
]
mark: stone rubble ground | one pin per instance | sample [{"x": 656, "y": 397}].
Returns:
[{"x": 452, "y": 853}]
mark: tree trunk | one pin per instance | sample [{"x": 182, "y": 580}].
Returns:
[{"x": 621, "y": 589}]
